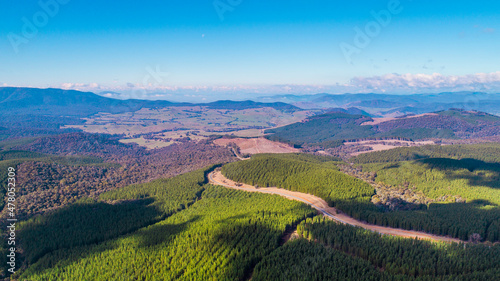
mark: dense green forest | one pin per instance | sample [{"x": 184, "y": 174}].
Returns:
[
  {"x": 358, "y": 254},
  {"x": 309, "y": 261},
  {"x": 325, "y": 129},
  {"x": 401, "y": 255},
  {"x": 220, "y": 237},
  {"x": 352, "y": 196}
]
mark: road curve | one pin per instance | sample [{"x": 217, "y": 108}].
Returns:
[{"x": 319, "y": 204}]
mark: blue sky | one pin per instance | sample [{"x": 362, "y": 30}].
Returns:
[{"x": 174, "y": 49}]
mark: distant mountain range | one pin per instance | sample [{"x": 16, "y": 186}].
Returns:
[
  {"x": 29, "y": 101},
  {"x": 394, "y": 105},
  {"x": 80, "y": 104},
  {"x": 27, "y": 112}
]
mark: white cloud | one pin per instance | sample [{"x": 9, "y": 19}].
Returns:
[
  {"x": 435, "y": 81},
  {"x": 81, "y": 86},
  {"x": 67, "y": 85},
  {"x": 389, "y": 83}
]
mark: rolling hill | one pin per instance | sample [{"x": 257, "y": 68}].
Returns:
[{"x": 448, "y": 124}]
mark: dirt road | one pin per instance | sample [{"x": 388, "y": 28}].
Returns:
[{"x": 319, "y": 204}]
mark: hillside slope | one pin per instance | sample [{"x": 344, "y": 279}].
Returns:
[{"x": 448, "y": 124}]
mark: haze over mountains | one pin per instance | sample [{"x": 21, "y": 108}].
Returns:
[
  {"x": 75, "y": 103},
  {"x": 49, "y": 101},
  {"x": 395, "y": 105}
]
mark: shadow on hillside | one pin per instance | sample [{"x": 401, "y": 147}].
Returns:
[
  {"x": 233, "y": 249},
  {"x": 391, "y": 166},
  {"x": 160, "y": 233},
  {"x": 239, "y": 239},
  {"x": 146, "y": 236},
  {"x": 84, "y": 223},
  {"x": 242, "y": 235},
  {"x": 458, "y": 220},
  {"x": 481, "y": 173}
]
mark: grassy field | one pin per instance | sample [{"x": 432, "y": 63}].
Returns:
[{"x": 188, "y": 119}]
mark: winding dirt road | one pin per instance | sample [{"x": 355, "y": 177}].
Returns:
[{"x": 319, "y": 204}]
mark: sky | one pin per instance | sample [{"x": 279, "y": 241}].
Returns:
[{"x": 206, "y": 49}]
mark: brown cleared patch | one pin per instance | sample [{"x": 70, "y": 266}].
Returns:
[
  {"x": 377, "y": 121},
  {"x": 384, "y": 145},
  {"x": 149, "y": 144},
  {"x": 257, "y": 145}
]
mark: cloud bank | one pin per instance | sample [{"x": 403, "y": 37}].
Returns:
[
  {"x": 389, "y": 83},
  {"x": 428, "y": 82}
]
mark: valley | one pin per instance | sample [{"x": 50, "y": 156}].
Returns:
[{"x": 152, "y": 190}]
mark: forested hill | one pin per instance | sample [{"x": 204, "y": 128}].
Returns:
[
  {"x": 331, "y": 127},
  {"x": 33, "y": 101},
  {"x": 65, "y": 102}
]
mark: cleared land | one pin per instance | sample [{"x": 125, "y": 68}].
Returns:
[
  {"x": 319, "y": 204},
  {"x": 384, "y": 145},
  {"x": 257, "y": 145},
  {"x": 377, "y": 121},
  {"x": 196, "y": 122},
  {"x": 149, "y": 144}
]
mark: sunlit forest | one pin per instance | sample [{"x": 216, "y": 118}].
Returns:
[{"x": 478, "y": 214}]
